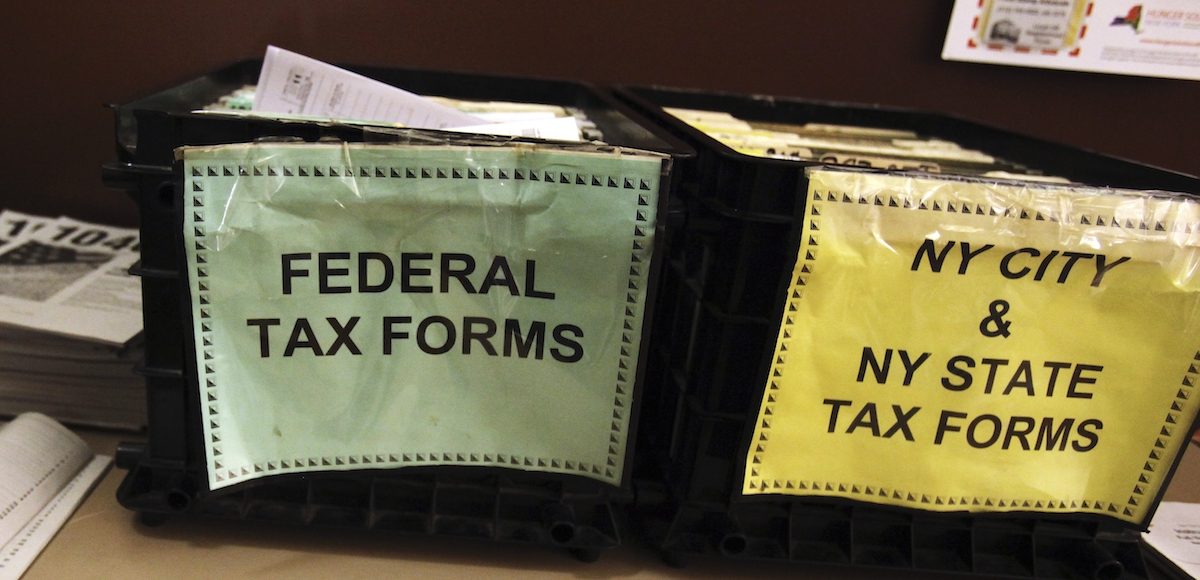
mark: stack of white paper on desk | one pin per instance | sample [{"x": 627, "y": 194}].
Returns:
[{"x": 70, "y": 321}]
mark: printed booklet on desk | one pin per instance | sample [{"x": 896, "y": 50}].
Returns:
[{"x": 46, "y": 471}]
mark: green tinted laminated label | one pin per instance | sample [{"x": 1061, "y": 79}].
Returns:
[{"x": 376, "y": 306}]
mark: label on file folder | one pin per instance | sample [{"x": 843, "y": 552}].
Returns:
[
  {"x": 959, "y": 345},
  {"x": 380, "y": 306}
]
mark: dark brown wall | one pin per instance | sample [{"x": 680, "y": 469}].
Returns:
[{"x": 60, "y": 67}]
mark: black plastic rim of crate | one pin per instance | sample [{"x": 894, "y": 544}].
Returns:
[{"x": 1078, "y": 164}]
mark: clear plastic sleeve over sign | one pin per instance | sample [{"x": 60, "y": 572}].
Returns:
[
  {"x": 965, "y": 345},
  {"x": 379, "y": 306}
]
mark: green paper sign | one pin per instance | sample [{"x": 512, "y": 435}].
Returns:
[{"x": 382, "y": 306}]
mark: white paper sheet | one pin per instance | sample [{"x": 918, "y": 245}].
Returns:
[
  {"x": 558, "y": 129},
  {"x": 515, "y": 116},
  {"x": 14, "y": 224},
  {"x": 1175, "y": 533},
  {"x": 70, "y": 278},
  {"x": 294, "y": 84}
]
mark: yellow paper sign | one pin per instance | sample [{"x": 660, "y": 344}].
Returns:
[{"x": 953, "y": 345}]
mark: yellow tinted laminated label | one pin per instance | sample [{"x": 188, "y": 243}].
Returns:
[{"x": 953, "y": 345}]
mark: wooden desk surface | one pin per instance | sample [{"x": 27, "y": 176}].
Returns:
[{"x": 104, "y": 540}]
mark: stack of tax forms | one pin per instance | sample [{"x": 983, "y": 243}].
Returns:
[
  {"x": 294, "y": 87},
  {"x": 70, "y": 321},
  {"x": 851, "y": 145}
]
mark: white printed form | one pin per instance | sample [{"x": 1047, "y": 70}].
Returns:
[
  {"x": 294, "y": 84},
  {"x": 70, "y": 278},
  {"x": 1175, "y": 533}
]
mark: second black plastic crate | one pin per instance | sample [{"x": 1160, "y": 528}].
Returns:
[
  {"x": 746, "y": 204},
  {"x": 729, "y": 267}
]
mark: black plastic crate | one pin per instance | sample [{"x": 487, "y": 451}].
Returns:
[
  {"x": 485, "y": 505},
  {"x": 166, "y": 472},
  {"x": 150, "y": 128},
  {"x": 744, "y": 206},
  {"x": 729, "y": 266},
  {"x": 847, "y": 535},
  {"x": 160, "y": 301},
  {"x": 744, "y": 183}
]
